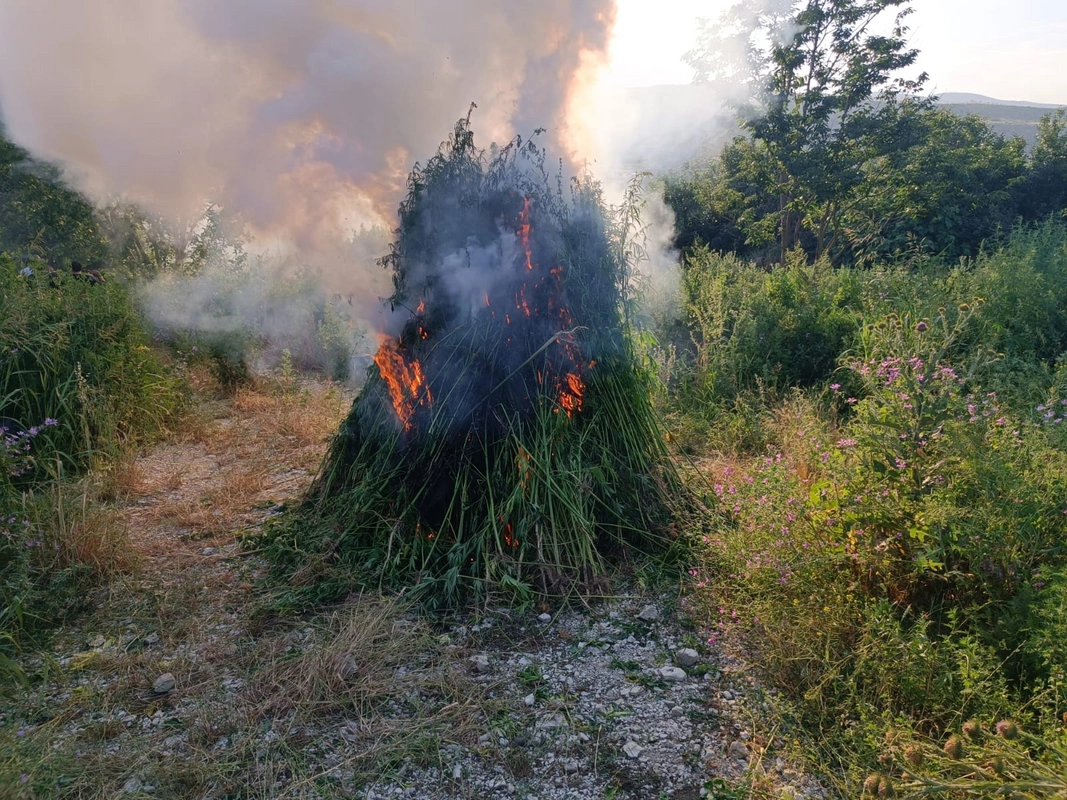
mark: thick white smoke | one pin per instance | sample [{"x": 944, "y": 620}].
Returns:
[
  {"x": 299, "y": 119},
  {"x": 302, "y": 116}
]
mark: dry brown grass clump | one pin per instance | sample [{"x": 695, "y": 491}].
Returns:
[{"x": 74, "y": 531}]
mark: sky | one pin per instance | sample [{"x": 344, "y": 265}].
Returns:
[{"x": 1007, "y": 49}]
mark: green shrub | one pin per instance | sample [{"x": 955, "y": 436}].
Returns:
[
  {"x": 775, "y": 329},
  {"x": 78, "y": 382},
  {"x": 77, "y": 353},
  {"x": 907, "y": 562},
  {"x": 1024, "y": 285}
]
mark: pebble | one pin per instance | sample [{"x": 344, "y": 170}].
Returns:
[
  {"x": 687, "y": 657},
  {"x": 164, "y": 683},
  {"x": 738, "y": 750},
  {"x": 480, "y": 663},
  {"x": 544, "y": 619},
  {"x": 673, "y": 674},
  {"x": 633, "y": 749},
  {"x": 529, "y": 700},
  {"x": 648, "y": 614},
  {"x": 132, "y": 786}
]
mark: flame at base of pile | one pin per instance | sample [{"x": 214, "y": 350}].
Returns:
[{"x": 505, "y": 438}]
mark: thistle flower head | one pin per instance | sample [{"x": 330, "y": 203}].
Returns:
[
  {"x": 870, "y": 786},
  {"x": 1007, "y": 729},
  {"x": 914, "y": 755}
]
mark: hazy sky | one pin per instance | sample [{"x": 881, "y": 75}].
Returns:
[{"x": 1009, "y": 49}]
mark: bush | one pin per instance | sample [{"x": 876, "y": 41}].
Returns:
[
  {"x": 775, "y": 329},
  {"x": 78, "y": 382},
  {"x": 907, "y": 561},
  {"x": 77, "y": 353}
]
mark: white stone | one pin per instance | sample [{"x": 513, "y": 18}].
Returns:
[
  {"x": 738, "y": 750},
  {"x": 632, "y": 749},
  {"x": 544, "y": 618},
  {"x": 164, "y": 683},
  {"x": 673, "y": 674},
  {"x": 687, "y": 657},
  {"x": 648, "y": 614},
  {"x": 132, "y": 786}
]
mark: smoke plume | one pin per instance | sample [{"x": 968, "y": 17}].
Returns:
[{"x": 301, "y": 116}]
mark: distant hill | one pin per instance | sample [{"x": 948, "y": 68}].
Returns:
[
  {"x": 1007, "y": 117},
  {"x": 967, "y": 98}
]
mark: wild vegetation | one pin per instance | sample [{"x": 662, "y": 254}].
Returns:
[
  {"x": 864, "y": 383},
  {"x": 872, "y": 383}
]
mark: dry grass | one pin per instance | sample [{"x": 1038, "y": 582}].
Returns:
[
  {"x": 365, "y": 683},
  {"x": 379, "y": 677},
  {"x": 121, "y": 480},
  {"x": 77, "y": 531},
  {"x": 257, "y": 450}
]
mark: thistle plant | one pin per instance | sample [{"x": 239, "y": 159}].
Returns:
[{"x": 999, "y": 760}]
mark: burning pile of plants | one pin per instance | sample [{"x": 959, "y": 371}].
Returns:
[{"x": 505, "y": 438}]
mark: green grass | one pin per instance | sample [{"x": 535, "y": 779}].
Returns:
[{"x": 78, "y": 375}]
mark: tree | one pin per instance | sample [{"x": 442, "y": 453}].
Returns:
[
  {"x": 942, "y": 185},
  {"x": 819, "y": 77},
  {"x": 39, "y": 213},
  {"x": 1044, "y": 192}
]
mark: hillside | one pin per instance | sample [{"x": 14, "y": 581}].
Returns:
[{"x": 1007, "y": 117}]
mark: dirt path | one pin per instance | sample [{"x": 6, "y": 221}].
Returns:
[{"x": 174, "y": 687}]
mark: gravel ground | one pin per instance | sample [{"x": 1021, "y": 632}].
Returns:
[{"x": 617, "y": 701}]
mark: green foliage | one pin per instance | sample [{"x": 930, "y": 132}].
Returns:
[
  {"x": 938, "y": 182},
  {"x": 1044, "y": 192},
  {"x": 896, "y": 557},
  {"x": 775, "y": 330},
  {"x": 77, "y": 352},
  {"x": 1024, "y": 284},
  {"x": 40, "y": 215},
  {"x": 843, "y": 159},
  {"x": 814, "y": 68},
  {"x": 78, "y": 383}
]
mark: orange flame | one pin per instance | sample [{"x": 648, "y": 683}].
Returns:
[
  {"x": 406, "y": 382},
  {"x": 524, "y": 231},
  {"x": 570, "y": 396}
]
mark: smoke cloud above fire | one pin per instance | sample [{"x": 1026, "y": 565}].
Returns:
[{"x": 301, "y": 116}]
